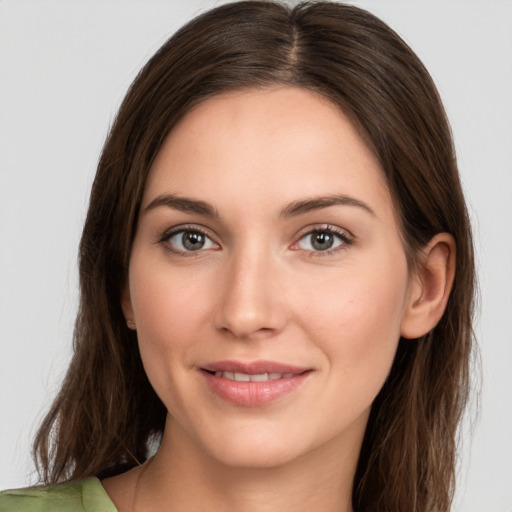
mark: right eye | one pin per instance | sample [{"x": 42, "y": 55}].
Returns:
[{"x": 189, "y": 240}]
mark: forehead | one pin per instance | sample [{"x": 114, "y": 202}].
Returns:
[{"x": 276, "y": 143}]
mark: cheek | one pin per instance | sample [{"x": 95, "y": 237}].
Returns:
[
  {"x": 164, "y": 301},
  {"x": 355, "y": 319},
  {"x": 169, "y": 319}
]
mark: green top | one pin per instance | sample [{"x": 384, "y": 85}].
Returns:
[{"x": 86, "y": 495}]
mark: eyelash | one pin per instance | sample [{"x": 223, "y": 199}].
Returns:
[
  {"x": 183, "y": 229},
  {"x": 345, "y": 238}
]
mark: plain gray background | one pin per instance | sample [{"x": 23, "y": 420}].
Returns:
[{"x": 64, "y": 68}]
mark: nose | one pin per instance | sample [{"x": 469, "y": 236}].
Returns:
[{"x": 252, "y": 296}]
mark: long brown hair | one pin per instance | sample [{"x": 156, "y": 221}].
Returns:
[{"x": 106, "y": 417}]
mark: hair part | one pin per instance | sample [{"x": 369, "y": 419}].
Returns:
[{"x": 106, "y": 415}]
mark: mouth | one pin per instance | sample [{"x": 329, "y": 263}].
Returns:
[
  {"x": 247, "y": 377},
  {"x": 253, "y": 384}
]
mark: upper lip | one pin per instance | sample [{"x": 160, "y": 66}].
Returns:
[{"x": 253, "y": 367}]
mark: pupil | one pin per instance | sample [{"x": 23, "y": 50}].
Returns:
[
  {"x": 323, "y": 241},
  {"x": 193, "y": 241}
]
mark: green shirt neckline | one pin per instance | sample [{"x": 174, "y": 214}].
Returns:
[{"x": 87, "y": 495}]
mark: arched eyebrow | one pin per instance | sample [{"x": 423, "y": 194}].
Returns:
[
  {"x": 317, "y": 203},
  {"x": 188, "y": 205},
  {"x": 183, "y": 204}
]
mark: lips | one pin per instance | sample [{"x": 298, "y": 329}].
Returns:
[
  {"x": 253, "y": 384},
  {"x": 258, "y": 377}
]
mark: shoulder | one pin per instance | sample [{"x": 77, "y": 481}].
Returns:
[{"x": 86, "y": 495}]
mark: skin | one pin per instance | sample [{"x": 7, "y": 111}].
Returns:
[{"x": 259, "y": 290}]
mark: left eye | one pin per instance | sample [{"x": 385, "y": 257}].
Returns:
[
  {"x": 321, "y": 240},
  {"x": 190, "y": 241}
]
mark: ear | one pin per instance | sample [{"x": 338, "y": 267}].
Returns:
[
  {"x": 430, "y": 287},
  {"x": 126, "y": 305}
]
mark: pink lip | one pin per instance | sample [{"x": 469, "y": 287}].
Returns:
[
  {"x": 253, "y": 367},
  {"x": 252, "y": 394}
]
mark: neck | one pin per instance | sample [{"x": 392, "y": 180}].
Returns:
[{"x": 184, "y": 478}]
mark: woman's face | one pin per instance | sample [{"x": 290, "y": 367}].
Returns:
[{"x": 267, "y": 281}]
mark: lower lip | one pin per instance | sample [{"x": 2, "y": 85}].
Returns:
[{"x": 253, "y": 394}]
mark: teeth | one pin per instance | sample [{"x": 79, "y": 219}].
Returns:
[
  {"x": 260, "y": 377},
  {"x": 245, "y": 377}
]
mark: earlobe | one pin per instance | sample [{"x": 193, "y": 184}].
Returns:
[
  {"x": 126, "y": 305},
  {"x": 430, "y": 287}
]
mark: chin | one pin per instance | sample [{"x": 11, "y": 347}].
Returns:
[
  {"x": 254, "y": 446},
  {"x": 255, "y": 457}
]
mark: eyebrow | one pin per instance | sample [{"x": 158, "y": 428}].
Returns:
[
  {"x": 183, "y": 204},
  {"x": 295, "y": 208},
  {"x": 317, "y": 203}
]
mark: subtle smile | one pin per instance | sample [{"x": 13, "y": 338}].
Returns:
[
  {"x": 253, "y": 384},
  {"x": 259, "y": 377}
]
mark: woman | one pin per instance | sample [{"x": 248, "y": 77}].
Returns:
[{"x": 276, "y": 277}]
